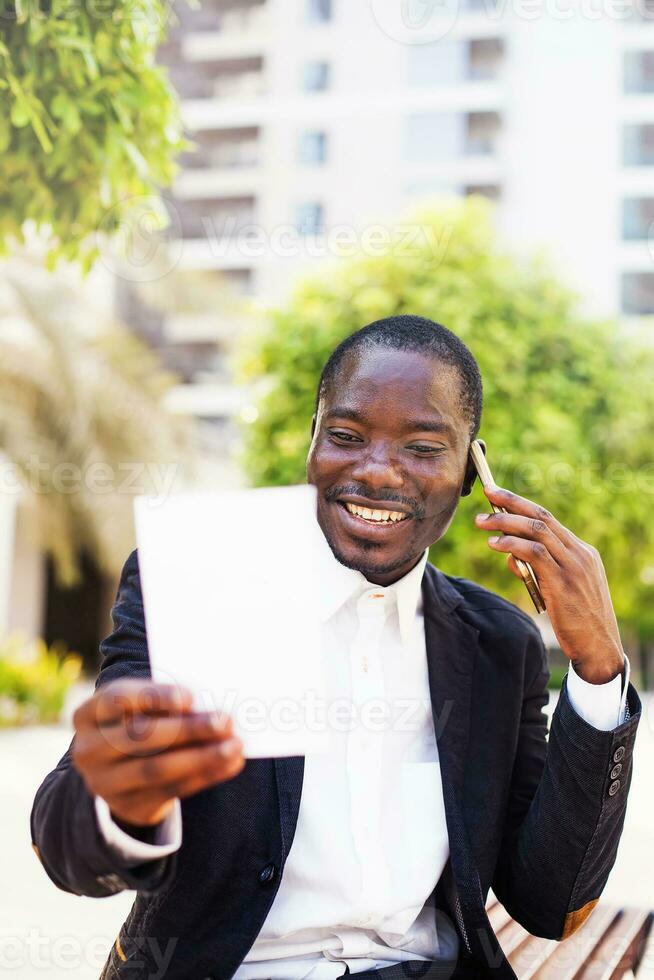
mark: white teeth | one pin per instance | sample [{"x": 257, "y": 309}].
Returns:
[{"x": 378, "y": 516}]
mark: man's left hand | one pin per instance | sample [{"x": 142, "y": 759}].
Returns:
[{"x": 571, "y": 578}]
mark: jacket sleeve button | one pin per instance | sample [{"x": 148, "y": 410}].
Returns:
[
  {"x": 614, "y": 787},
  {"x": 618, "y": 755},
  {"x": 267, "y": 874},
  {"x": 615, "y": 772}
]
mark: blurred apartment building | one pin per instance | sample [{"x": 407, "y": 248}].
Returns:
[{"x": 308, "y": 115}]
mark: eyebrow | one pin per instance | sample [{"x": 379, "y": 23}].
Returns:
[{"x": 438, "y": 424}]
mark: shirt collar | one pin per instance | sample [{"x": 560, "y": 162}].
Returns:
[
  {"x": 340, "y": 583},
  {"x": 409, "y": 597}
]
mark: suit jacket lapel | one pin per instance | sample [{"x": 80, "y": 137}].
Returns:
[
  {"x": 289, "y": 773},
  {"x": 452, "y": 646}
]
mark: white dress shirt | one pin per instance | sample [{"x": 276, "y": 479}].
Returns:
[{"x": 371, "y": 839}]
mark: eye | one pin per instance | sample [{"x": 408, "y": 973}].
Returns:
[
  {"x": 422, "y": 450},
  {"x": 340, "y": 436}
]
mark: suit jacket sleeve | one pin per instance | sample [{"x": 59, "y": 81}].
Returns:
[
  {"x": 566, "y": 808},
  {"x": 65, "y": 833}
]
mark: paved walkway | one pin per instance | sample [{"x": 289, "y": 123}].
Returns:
[{"x": 47, "y": 933}]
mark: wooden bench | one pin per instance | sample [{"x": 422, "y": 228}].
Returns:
[{"x": 612, "y": 943}]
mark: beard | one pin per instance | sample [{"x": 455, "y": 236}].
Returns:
[{"x": 365, "y": 561}]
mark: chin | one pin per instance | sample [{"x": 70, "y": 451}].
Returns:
[{"x": 368, "y": 559}]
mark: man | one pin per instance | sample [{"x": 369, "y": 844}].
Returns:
[{"x": 376, "y": 859}]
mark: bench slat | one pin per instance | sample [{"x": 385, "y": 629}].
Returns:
[
  {"x": 606, "y": 947},
  {"x": 511, "y": 937},
  {"x": 619, "y": 947},
  {"x": 528, "y": 958},
  {"x": 568, "y": 957},
  {"x": 498, "y": 917},
  {"x": 645, "y": 969}
]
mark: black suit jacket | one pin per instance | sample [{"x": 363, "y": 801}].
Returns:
[{"x": 538, "y": 822}]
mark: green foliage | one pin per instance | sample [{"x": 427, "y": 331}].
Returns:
[
  {"x": 34, "y": 680},
  {"x": 557, "y": 673},
  {"x": 89, "y": 125},
  {"x": 569, "y": 404}
]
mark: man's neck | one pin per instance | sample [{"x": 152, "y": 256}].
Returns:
[{"x": 390, "y": 578}]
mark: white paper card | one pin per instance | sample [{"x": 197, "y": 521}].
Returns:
[{"x": 230, "y": 585}]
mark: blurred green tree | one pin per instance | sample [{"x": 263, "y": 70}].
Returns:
[
  {"x": 569, "y": 404},
  {"x": 89, "y": 125},
  {"x": 83, "y": 424}
]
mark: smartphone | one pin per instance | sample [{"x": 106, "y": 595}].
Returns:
[{"x": 527, "y": 572}]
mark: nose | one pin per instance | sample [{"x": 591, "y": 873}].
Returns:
[{"x": 376, "y": 468}]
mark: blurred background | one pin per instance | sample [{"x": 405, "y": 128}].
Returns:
[{"x": 198, "y": 202}]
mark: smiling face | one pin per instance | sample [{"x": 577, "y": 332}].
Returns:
[{"x": 389, "y": 459}]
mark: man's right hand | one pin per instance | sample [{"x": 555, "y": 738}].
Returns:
[{"x": 139, "y": 745}]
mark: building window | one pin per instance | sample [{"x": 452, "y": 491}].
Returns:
[
  {"x": 637, "y": 218},
  {"x": 239, "y": 281},
  {"x": 315, "y": 76},
  {"x": 484, "y": 59},
  {"x": 642, "y": 10},
  {"x": 449, "y": 61},
  {"x": 310, "y": 218},
  {"x": 638, "y": 293},
  {"x": 482, "y": 132},
  {"x": 313, "y": 148},
  {"x": 638, "y": 72},
  {"x": 319, "y": 11},
  {"x": 639, "y": 145},
  {"x": 492, "y": 191},
  {"x": 428, "y": 187},
  {"x": 438, "y": 63},
  {"x": 433, "y": 137}
]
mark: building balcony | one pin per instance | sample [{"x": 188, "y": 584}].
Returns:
[
  {"x": 206, "y": 400},
  {"x": 464, "y": 97},
  {"x": 474, "y": 95},
  {"x": 212, "y": 113},
  {"x": 637, "y": 292},
  {"x": 221, "y": 253},
  {"x": 637, "y": 107},
  {"x": 636, "y": 256},
  {"x": 462, "y": 170},
  {"x": 224, "y": 149},
  {"x": 214, "y": 45},
  {"x": 197, "y": 328},
  {"x": 638, "y": 34},
  {"x": 215, "y": 219},
  {"x": 218, "y": 182},
  {"x": 460, "y": 60},
  {"x": 231, "y": 78}
]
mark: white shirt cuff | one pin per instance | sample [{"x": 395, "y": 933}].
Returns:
[
  {"x": 169, "y": 835},
  {"x": 601, "y": 705}
]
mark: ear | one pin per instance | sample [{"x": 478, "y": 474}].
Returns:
[
  {"x": 313, "y": 424},
  {"x": 471, "y": 472}
]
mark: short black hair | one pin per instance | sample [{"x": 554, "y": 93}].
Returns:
[{"x": 406, "y": 332}]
